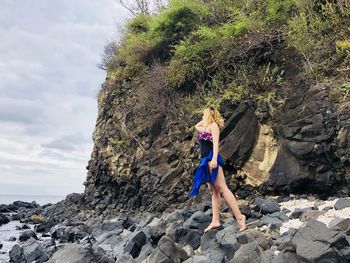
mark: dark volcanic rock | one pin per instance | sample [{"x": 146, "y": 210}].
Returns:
[
  {"x": 60, "y": 211},
  {"x": 4, "y": 208},
  {"x": 342, "y": 203},
  {"x": 249, "y": 253},
  {"x": 131, "y": 244},
  {"x": 275, "y": 219},
  {"x": 305, "y": 124},
  {"x": 69, "y": 233},
  {"x": 16, "y": 254},
  {"x": 4, "y": 219},
  {"x": 134, "y": 245},
  {"x": 316, "y": 243},
  {"x": 144, "y": 253},
  {"x": 297, "y": 213},
  {"x": 340, "y": 223},
  {"x": 25, "y": 226},
  {"x": 27, "y": 234},
  {"x": 17, "y": 205},
  {"x": 285, "y": 239},
  {"x": 78, "y": 253},
  {"x": 168, "y": 252},
  {"x": 227, "y": 238},
  {"x": 192, "y": 238},
  {"x": 212, "y": 249},
  {"x": 287, "y": 255},
  {"x": 29, "y": 251},
  {"x": 198, "y": 220},
  {"x": 197, "y": 259},
  {"x": 266, "y": 206},
  {"x": 115, "y": 227},
  {"x": 239, "y": 135},
  {"x": 46, "y": 226}
]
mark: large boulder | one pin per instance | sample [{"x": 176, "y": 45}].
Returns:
[
  {"x": 77, "y": 253},
  {"x": 249, "y": 253},
  {"x": 26, "y": 235},
  {"x": 4, "y": 219},
  {"x": 29, "y": 251},
  {"x": 69, "y": 233},
  {"x": 4, "y": 208},
  {"x": 131, "y": 244},
  {"x": 46, "y": 225},
  {"x": 266, "y": 206},
  {"x": 167, "y": 251},
  {"x": 315, "y": 243},
  {"x": 305, "y": 125},
  {"x": 198, "y": 220},
  {"x": 342, "y": 203},
  {"x": 213, "y": 251},
  {"x": 239, "y": 134}
]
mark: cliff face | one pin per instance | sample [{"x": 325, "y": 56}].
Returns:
[
  {"x": 294, "y": 141},
  {"x": 297, "y": 144}
]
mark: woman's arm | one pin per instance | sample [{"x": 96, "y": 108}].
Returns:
[
  {"x": 215, "y": 131},
  {"x": 200, "y": 126}
]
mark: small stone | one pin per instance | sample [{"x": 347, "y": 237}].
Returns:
[{"x": 342, "y": 203}]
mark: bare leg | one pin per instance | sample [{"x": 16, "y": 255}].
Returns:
[
  {"x": 220, "y": 185},
  {"x": 216, "y": 205}
]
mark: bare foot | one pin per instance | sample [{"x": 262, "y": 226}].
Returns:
[
  {"x": 212, "y": 226},
  {"x": 241, "y": 223}
]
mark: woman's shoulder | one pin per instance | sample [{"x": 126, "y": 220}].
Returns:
[{"x": 214, "y": 125}]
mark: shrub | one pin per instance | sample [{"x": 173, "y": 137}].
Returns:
[
  {"x": 279, "y": 11},
  {"x": 139, "y": 24},
  {"x": 37, "y": 219},
  {"x": 148, "y": 38},
  {"x": 192, "y": 58},
  {"x": 341, "y": 93},
  {"x": 179, "y": 19},
  {"x": 236, "y": 28}
]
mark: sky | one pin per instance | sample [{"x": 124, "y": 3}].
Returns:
[{"x": 48, "y": 90}]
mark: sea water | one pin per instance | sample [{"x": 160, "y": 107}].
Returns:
[
  {"x": 40, "y": 199},
  {"x": 9, "y": 230}
]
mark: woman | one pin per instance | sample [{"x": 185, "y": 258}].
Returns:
[{"x": 210, "y": 169}]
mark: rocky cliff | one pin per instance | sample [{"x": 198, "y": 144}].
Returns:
[
  {"x": 287, "y": 130},
  {"x": 278, "y": 71}
]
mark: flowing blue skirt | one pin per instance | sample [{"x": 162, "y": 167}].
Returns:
[{"x": 202, "y": 173}]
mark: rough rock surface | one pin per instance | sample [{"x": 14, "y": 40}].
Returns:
[
  {"x": 279, "y": 230},
  {"x": 299, "y": 147},
  {"x": 77, "y": 253}
]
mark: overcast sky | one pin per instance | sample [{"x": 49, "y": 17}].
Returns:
[{"x": 48, "y": 86}]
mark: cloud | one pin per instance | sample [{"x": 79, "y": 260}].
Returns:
[
  {"x": 67, "y": 142},
  {"x": 20, "y": 111},
  {"x": 48, "y": 87}
]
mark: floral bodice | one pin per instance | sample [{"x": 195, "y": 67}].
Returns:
[{"x": 205, "y": 135}]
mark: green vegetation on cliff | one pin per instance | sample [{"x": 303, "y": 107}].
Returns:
[{"x": 204, "y": 45}]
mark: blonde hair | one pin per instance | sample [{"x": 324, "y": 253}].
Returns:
[{"x": 211, "y": 114}]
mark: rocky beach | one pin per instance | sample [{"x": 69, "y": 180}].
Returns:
[{"x": 280, "y": 229}]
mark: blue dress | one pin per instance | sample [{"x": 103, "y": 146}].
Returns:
[{"x": 202, "y": 173}]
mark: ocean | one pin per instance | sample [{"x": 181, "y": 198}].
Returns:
[
  {"x": 9, "y": 230},
  {"x": 40, "y": 199}
]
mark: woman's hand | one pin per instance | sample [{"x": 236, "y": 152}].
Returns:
[
  {"x": 213, "y": 164},
  {"x": 211, "y": 188}
]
